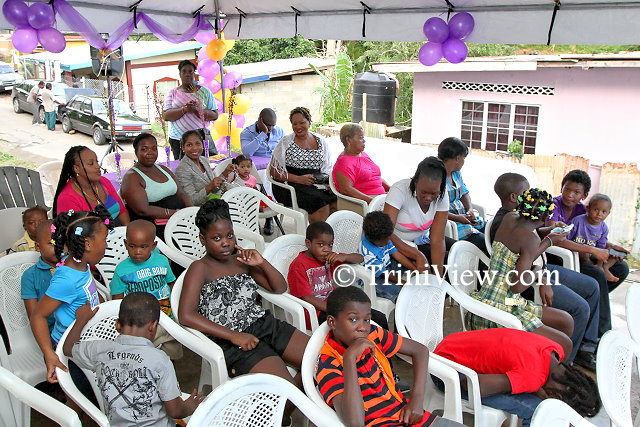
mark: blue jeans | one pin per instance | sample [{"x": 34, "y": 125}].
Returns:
[
  {"x": 386, "y": 288},
  {"x": 580, "y": 297},
  {"x": 523, "y": 405}
]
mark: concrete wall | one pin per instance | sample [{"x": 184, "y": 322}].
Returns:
[
  {"x": 592, "y": 113},
  {"x": 283, "y": 96}
]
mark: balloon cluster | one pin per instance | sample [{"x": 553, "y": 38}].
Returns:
[
  {"x": 445, "y": 40},
  {"x": 34, "y": 24},
  {"x": 231, "y": 122}
]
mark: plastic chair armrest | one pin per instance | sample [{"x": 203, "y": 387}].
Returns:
[
  {"x": 178, "y": 257},
  {"x": 292, "y": 308},
  {"x": 449, "y": 376},
  {"x": 473, "y": 385},
  {"x": 567, "y": 256},
  {"x": 481, "y": 309}
]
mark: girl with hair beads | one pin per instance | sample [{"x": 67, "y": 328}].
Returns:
[
  {"x": 511, "y": 271},
  {"x": 218, "y": 298},
  {"x": 80, "y": 239}
]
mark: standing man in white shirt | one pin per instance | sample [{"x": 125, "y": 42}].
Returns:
[
  {"x": 50, "y": 107},
  {"x": 33, "y": 100}
]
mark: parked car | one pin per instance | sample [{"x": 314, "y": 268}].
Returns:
[
  {"x": 88, "y": 114},
  {"x": 20, "y": 94},
  {"x": 8, "y": 77}
]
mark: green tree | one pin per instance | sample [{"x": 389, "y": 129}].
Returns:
[
  {"x": 258, "y": 50},
  {"x": 336, "y": 91}
]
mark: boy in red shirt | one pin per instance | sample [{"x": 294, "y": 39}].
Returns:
[
  {"x": 310, "y": 275},
  {"x": 353, "y": 371},
  {"x": 517, "y": 369}
]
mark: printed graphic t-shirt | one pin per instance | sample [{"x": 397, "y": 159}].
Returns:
[
  {"x": 152, "y": 276},
  {"x": 412, "y": 222},
  {"x": 73, "y": 288},
  {"x": 134, "y": 379},
  {"x": 587, "y": 234}
]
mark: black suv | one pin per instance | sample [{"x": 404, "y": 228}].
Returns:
[{"x": 88, "y": 114}]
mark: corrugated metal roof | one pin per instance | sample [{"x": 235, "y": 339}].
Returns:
[{"x": 260, "y": 71}]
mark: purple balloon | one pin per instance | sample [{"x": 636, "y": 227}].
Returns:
[
  {"x": 41, "y": 15},
  {"x": 208, "y": 68},
  {"x": 219, "y": 105},
  {"x": 232, "y": 79},
  {"x": 16, "y": 12},
  {"x": 454, "y": 50},
  {"x": 239, "y": 120},
  {"x": 52, "y": 40},
  {"x": 436, "y": 30},
  {"x": 205, "y": 37},
  {"x": 461, "y": 25},
  {"x": 214, "y": 85},
  {"x": 25, "y": 39},
  {"x": 430, "y": 53},
  {"x": 202, "y": 54}
]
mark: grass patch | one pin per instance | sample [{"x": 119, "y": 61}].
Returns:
[{"x": 9, "y": 160}]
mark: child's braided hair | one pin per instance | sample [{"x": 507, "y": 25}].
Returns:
[
  {"x": 210, "y": 212},
  {"x": 580, "y": 391},
  {"x": 535, "y": 204},
  {"x": 70, "y": 229}
]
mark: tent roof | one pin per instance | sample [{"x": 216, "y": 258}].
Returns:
[{"x": 497, "y": 21}]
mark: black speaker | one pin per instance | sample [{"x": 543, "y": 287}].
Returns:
[{"x": 112, "y": 65}]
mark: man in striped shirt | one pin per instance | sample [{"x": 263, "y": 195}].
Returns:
[{"x": 353, "y": 372}]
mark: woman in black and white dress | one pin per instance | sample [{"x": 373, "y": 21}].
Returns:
[{"x": 303, "y": 160}]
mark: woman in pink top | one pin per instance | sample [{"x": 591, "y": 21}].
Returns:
[{"x": 354, "y": 173}]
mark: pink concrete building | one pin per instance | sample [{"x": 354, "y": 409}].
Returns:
[{"x": 584, "y": 105}]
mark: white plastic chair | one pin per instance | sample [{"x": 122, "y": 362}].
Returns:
[
  {"x": 614, "y": 363},
  {"x": 452, "y": 406},
  {"x": 633, "y": 314},
  {"x": 127, "y": 160},
  {"x": 463, "y": 263},
  {"x": 15, "y": 389},
  {"x": 244, "y": 207},
  {"x": 286, "y": 186},
  {"x": 102, "y": 327},
  {"x": 116, "y": 252},
  {"x": 25, "y": 359},
  {"x": 377, "y": 204},
  {"x": 364, "y": 206},
  {"x": 281, "y": 253},
  {"x": 267, "y": 212},
  {"x": 556, "y": 413},
  {"x": 181, "y": 234},
  {"x": 419, "y": 316},
  {"x": 347, "y": 231},
  {"x": 255, "y": 400},
  {"x": 49, "y": 176},
  {"x": 11, "y": 220},
  {"x": 451, "y": 230}
]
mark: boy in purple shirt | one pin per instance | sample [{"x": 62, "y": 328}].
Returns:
[{"x": 591, "y": 230}]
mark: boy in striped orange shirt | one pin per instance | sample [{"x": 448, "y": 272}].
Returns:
[{"x": 353, "y": 371}]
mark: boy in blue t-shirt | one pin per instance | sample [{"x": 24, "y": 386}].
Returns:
[
  {"x": 146, "y": 270},
  {"x": 36, "y": 279},
  {"x": 381, "y": 255}
]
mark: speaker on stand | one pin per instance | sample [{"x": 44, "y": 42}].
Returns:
[{"x": 108, "y": 64}]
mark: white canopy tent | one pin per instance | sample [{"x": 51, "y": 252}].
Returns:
[{"x": 497, "y": 21}]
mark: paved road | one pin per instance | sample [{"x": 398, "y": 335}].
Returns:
[{"x": 20, "y": 138}]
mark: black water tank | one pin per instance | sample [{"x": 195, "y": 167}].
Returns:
[{"x": 381, "y": 98}]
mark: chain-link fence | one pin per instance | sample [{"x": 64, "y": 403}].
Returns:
[{"x": 100, "y": 87}]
